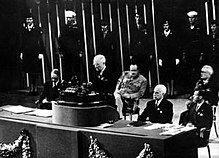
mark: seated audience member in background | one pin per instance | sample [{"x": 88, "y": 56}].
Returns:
[
  {"x": 158, "y": 110},
  {"x": 104, "y": 81},
  {"x": 200, "y": 115},
  {"x": 51, "y": 91},
  {"x": 130, "y": 87},
  {"x": 207, "y": 85}
]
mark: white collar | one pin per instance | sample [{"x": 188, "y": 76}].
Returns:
[
  {"x": 199, "y": 105},
  {"x": 158, "y": 101},
  {"x": 205, "y": 81},
  {"x": 192, "y": 27},
  {"x": 166, "y": 33}
]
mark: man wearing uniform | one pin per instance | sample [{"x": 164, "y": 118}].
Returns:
[
  {"x": 193, "y": 48},
  {"x": 141, "y": 46},
  {"x": 106, "y": 46},
  {"x": 32, "y": 46},
  {"x": 71, "y": 44},
  {"x": 130, "y": 87},
  {"x": 168, "y": 46},
  {"x": 213, "y": 45}
]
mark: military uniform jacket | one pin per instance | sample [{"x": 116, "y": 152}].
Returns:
[
  {"x": 158, "y": 114},
  {"x": 135, "y": 87}
]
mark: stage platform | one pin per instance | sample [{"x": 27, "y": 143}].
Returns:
[{"x": 21, "y": 97}]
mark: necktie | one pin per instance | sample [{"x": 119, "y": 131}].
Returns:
[
  {"x": 156, "y": 104},
  {"x": 197, "y": 107},
  {"x": 53, "y": 84}
]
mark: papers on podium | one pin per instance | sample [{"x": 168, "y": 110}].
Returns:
[
  {"x": 18, "y": 109},
  {"x": 158, "y": 126},
  {"x": 40, "y": 113},
  {"x": 169, "y": 129},
  {"x": 176, "y": 129}
]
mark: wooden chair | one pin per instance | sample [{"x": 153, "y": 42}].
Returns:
[
  {"x": 204, "y": 142},
  {"x": 214, "y": 107},
  {"x": 128, "y": 106}
]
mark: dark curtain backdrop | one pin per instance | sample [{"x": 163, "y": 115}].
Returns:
[{"x": 12, "y": 14}]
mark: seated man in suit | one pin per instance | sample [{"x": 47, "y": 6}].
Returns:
[
  {"x": 207, "y": 85},
  {"x": 200, "y": 115},
  {"x": 130, "y": 87},
  {"x": 51, "y": 91},
  {"x": 158, "y": 110}
]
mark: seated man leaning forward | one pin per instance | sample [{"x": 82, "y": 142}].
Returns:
[
  {"x": 130, "y": 86},
  {"x": 51, "y": 91},
  {"x": 158, "y": 110},
  {"x": 200, "y": 115}
]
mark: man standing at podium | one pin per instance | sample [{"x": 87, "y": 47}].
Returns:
[{"x": 103, "y": 80}]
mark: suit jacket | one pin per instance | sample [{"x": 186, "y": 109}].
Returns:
[
  {"x": 200, "y": 118},
  {"x": 32, "y": 46},
  {"x": 104, "y": 83},
  {"x": 141, "y": 48},
  {"x": 49, "y": 92},
  {"x": 210, "y": 89},
  {"x": 161, "y": 114}
]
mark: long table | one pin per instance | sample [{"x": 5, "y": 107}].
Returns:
[{"x": 49, "y": 140}]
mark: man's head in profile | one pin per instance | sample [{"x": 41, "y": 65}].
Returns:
[
  {"x": 55, "y": 75},
  {"x": 159, "y": 92},
  {"x": 206, "y": 72}
]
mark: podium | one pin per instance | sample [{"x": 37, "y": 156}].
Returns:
[{"x": 83, "y": 114}]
